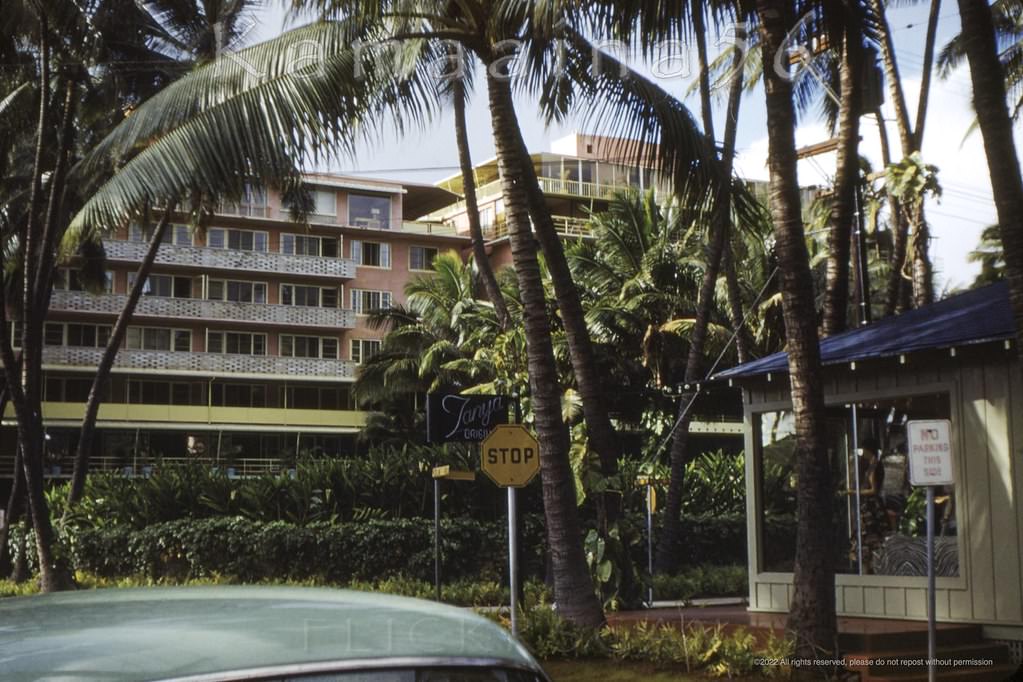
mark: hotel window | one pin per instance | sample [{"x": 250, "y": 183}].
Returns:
[
  {"x": 72, "y": 390},
  {"x": 167, "y": 286},
  {"x": 364, "y": 301},
  {"x": 180, "y": 235},
  {"x": 236, "y": 291},
  {"x": 77, "y": 335},
  {"x": 15, "y": 331},
  {"x": 251, "y": 203},
  {"x": 308, "y": 347},
  {"x": 69, "y": 280},
  {"x": 158, "y": 338},
  {"x": 237, "y": 343},
  {"x": 297, "y": 294},
  {"x": 302, "y": 245},
  {"x": 365, "y": 210},
  {"x": 373, "y": 254},
  {"x": 363, "y": 349},
  {"x": 237, "y": 240},
  {"x": 317, "y": 398},
  {"x": 238, "y": 395},
  {"x": 421, "y": 257},
  {"x": 325, "y": 203},
  {"x": 487, "y": 218}
]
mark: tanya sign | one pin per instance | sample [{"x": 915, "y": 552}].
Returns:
[{"x": 466, "y": 418}]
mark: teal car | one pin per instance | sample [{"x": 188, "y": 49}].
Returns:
[{"x": 228, "y": 634}]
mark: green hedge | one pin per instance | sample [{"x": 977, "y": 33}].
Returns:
[{"x": 339, "y": 553}]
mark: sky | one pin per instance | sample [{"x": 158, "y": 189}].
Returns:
[{"x": 956, "y": 219}]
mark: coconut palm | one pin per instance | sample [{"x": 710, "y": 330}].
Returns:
[
  {"x": 989, "y": 100},
  {"x": 812, "y": 611}
]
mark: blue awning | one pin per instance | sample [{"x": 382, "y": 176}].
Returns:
[{"x": 976, "y": 316}]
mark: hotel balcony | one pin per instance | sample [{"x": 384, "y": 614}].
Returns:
[
  {"x": 205, "y": 364},
  {"x": 203, "y": 310},
  {"x": 563, "y": 225},
  {"x": 233, "y": 260}
]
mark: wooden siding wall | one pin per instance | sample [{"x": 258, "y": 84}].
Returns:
[{"x": 985, "y": 390}]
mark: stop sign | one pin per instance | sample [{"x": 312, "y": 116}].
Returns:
[{"x": 510, "y": 456}]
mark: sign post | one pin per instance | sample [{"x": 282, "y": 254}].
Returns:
[
  {"x": 930, "y": 464},
  {"x": 440, "y": 473},
  {"x": 510, "y": 456}
]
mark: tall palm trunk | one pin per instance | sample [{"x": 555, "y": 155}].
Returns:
[
  {"x": 106, "y": 363},
  {"x": 812, "y": 611},
  {"x": 670, "y": 544},
  {"x": 836, "y": 291},
  {"x": 573, "y": 588},
  {"x": 922, "y": 280},
  {"x": 601, "y": 434},
  {"x": 13, "y": 501},
  {"x": 996, "y": 129},
  {"x": 472, "y": 210},
  {"x": 736, "y": 315}
]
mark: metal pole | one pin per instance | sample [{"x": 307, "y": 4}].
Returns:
[
  {"x": 513, "y": 561},
  {"x": 650, "y": 543},
  {"x": 436, "y": 535},
  {"x": 862, "y": 271},
  {"x": 931, "y": 625},
  {"x": 856, "y": 478}
]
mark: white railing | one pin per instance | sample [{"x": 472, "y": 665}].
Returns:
[
  {"x": 563, "y": 225},
  {"x": 201, "y": 309},
  {"x": 145, "y": 465},
  {"x": 228, "y": 259},
  {"x": 205, "y": 363}
]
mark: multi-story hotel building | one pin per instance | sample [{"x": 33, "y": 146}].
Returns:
[{"x": 247, "y": 339}]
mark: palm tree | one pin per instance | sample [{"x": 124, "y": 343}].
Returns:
[
  {"x": 989, "y": 100},
  {"x": 812, "y": 612},
  {"x": 911, "y": 139}
]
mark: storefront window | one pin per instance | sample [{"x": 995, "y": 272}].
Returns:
[{"x": 885, "y": 533}]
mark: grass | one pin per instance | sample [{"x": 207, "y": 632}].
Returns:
[{"x": 608, "y": 671}]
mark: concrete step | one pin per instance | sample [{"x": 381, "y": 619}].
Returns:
[
  {"x": 1005, "y": 672},
  {"x": 897, "y": 639},
  {"x": 871, "y": 664}
]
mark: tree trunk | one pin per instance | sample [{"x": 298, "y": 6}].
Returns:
[
  {"x": 601, "y": 435},
  {"x": 88, "y": 431},
  {"x": 671, "y": 541},
  {"x": 573, "y": 588},
  {"x": 472, "y": 210},
  {"x": 923, "y": 272},
  {"x": 891, "y": 75},
  {"x": 925, "y": 74},
  {"x": 13, "y": 502},
  {"x": 996, "y": 129},
  {"x": 736, "y": 315},
  {"x": 812, "y": 611},
  {"x": 847, "y": 175}
]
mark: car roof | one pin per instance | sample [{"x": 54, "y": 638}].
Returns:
[{"x": 203, "y": 632}]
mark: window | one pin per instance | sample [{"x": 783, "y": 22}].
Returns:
[
  {"x": 373, "y": 254},
  {"x": 885, "y": 531},
  {"x": 487, "y": 218},
  {"x": 298, "y": 294},
  {"x": 302, "y": 245},
  {"x": 308, "y": 347},
  {"x": 167, "y": 286},
  {"x": 236, "y": 291},
  {"x": 78, "y": 335},
  {"x": 369, "y": 211},
  {"x": 158, "y": 338},
  {"x": 317, "y": 398},
  {"x": 364, "y": 301},
  {"x": 239, "y": 343},
  {"x": 71, "y": 390},
  {"x": 421, "y": 257},
  {"x": 364, "y": 349},
  {"x": 69, "y": 280},
  {"x": 238, "y": 395},
  {"x": 237, "y": 240},
  {"x": 15, "y": 331},
  {"x": 180, "y": 235},
  {"x": 325, "y": 203},
  {"x": 251, "y": 203}
]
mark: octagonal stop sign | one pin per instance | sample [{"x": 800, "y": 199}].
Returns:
[{"x": 510, "y": 456}]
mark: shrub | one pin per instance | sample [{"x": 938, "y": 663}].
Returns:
[{"x": 702, "y": 581}]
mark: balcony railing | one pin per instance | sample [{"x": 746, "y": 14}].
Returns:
[
  {"x": 235, "y": 260},
  {"x": 203, "y": 363},
  {"x": 563, "y": 225},
  {"x": 200, "y": 309}
]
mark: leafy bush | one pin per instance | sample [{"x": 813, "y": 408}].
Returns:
[
  {"x": 334, "y": 552},
  {"x": 702, "y": 581}
]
